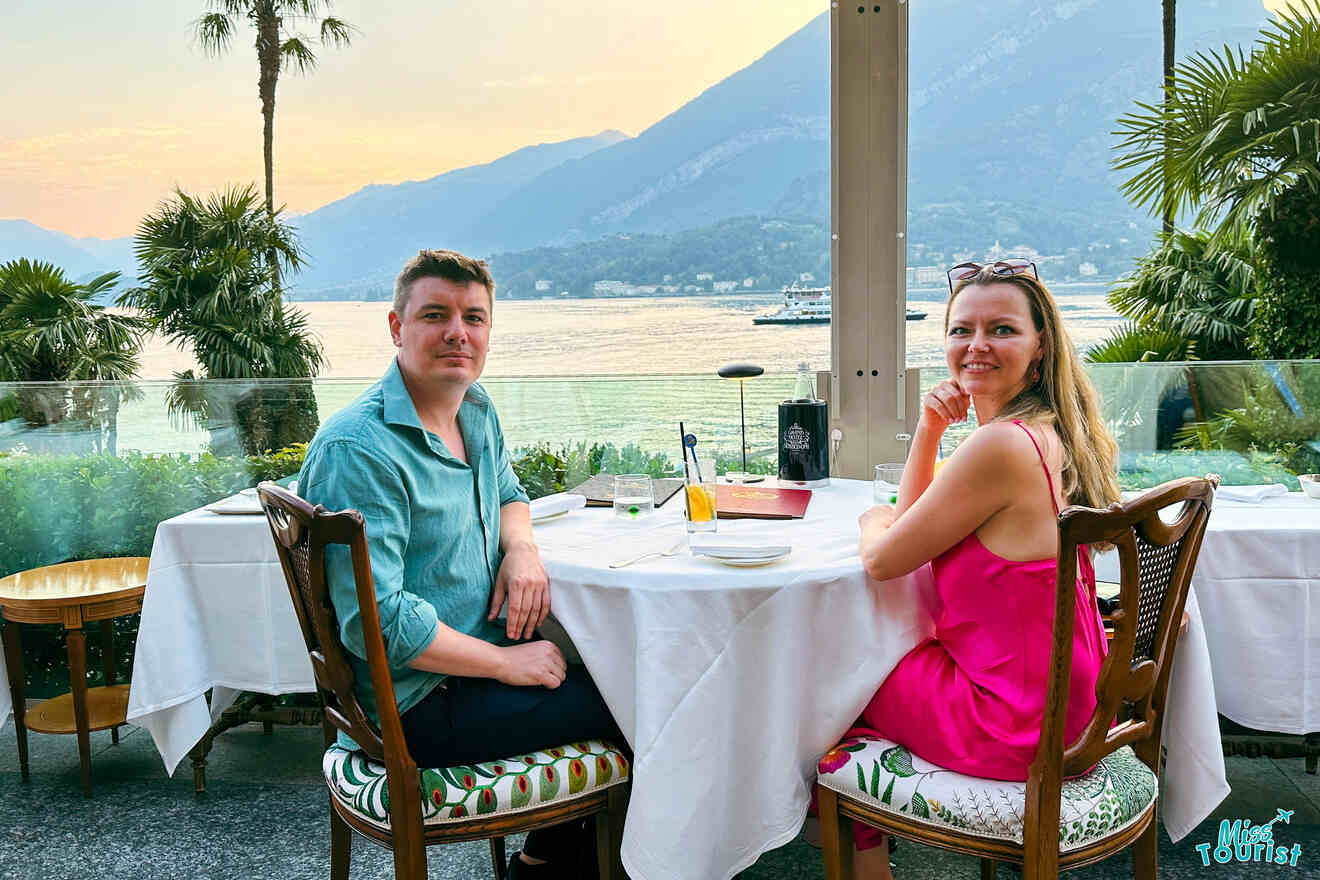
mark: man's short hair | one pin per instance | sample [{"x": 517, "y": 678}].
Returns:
[{"x": 449, "y": 265}]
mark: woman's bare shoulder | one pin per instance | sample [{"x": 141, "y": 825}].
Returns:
[
  {"x": 998, "y": 438},
  {"x": 1000, "y": 450}
]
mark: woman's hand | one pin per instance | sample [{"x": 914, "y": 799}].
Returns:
[
  {"x": 875, "y": 523},
  {"x": 944, "y": 405},
  {"x": 880, "y": 517}
]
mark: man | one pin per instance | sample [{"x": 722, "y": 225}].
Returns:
[{"x": 421, "y": 455}]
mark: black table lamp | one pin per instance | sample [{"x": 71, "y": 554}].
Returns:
[{"x": 741, "y": 372}]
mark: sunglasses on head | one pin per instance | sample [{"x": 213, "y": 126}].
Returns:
[{"x": 963, "y": 271}]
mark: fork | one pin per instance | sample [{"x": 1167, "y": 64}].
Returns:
[{"x": 678, "y": 545}]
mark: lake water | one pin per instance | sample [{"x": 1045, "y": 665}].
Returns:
[
  {"x": 635, "y": 336},
  {"x": 623, "y": 371}
]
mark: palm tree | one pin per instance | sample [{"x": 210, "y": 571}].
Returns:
[
  {"x": 1187, "y": 292},
  {"x": 1235, "y": 130},
  {"x": 279, "y": 46},
  {"x": 208, "y": 273},
  {"x": 53, "y": 329}
]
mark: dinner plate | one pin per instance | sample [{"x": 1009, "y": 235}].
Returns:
[
  {"x": 727, "y": 550},
  {"x": 748, "y": 562},
  {"x": 236, "y": 505},
  {"x": 548, "y": 516}
]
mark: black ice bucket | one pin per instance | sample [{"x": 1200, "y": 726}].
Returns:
[{"x": 804, "y": 454}]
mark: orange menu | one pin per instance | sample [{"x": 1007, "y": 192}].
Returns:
[{"x": 759, "y": 502}]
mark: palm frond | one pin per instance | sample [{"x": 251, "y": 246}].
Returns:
[
  {"x": 215, "y": 32},
  {"x": 296, "y": 54},
  {"x": 53, "y": 328},
  {"x": 1236, "y": 129},
  {"x": 1131, "y": 342},
  {"x": 336, "y": 32}
]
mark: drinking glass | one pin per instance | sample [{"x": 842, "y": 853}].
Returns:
[
  {"x": 632, "y": 495},
  {"x": 699, "y": 504},
  {"x": 887, "y": 478}
]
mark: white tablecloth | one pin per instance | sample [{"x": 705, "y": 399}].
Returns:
[
  {"x": 6, "y": 701},
  {"x": 729, "y": 683},
  {"x": 216, "y": 614},
  {"x": 1258, "y": 581}
]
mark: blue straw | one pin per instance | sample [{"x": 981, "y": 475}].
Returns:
[{"x": 690, "y": 440}]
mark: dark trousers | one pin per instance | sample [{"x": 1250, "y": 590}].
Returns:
[{"x": 470, "y": 720}]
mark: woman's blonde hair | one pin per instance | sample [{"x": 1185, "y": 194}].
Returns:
[{"x": 1060, "y": 394}]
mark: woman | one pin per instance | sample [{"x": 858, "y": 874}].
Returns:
[{"x": 971, "y": 698}]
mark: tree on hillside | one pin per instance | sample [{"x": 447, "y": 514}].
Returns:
[
  {"x": 53, "y": 330},
  {"x": 208, "y": 272},
  {"x": 279, "y": 45}
]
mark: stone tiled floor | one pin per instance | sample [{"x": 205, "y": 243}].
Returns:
[{"x": 264, "y": 815}]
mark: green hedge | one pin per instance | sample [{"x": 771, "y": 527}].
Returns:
[
  {"x": 62, "y": 508},
  {"x": 1254, "y": 467}
]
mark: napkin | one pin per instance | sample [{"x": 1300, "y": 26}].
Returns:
[
  {"x": 560, "y": 502},
  {"x": 1251, "y": 494},
  {"x": 733, "y": 548}
]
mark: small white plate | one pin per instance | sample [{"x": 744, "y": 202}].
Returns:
[
  {"x": 549, "y": 516},
  {"x": 236, "y": 505},
  {"x": 747, "y": 562}
]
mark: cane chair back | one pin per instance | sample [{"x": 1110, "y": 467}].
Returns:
[
  {"x": 1156, "y": 559},
  {"x": 302, "y": 534}
]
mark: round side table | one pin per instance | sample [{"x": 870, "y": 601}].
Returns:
[{"x": 72, "y": 593}]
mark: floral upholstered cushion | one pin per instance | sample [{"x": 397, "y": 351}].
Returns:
[
  {"x": 888, "y": 777},
  {"x": 452, "y": 794}
]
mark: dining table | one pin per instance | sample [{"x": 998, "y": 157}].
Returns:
[
  {"x": 728, "y": 681},
  {"x": 1257, "y": 580}
]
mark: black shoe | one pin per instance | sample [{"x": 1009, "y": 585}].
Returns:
[{"x": 520, "y": 870}]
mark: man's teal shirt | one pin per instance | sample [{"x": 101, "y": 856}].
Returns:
[{"x": 433, "y": 525}]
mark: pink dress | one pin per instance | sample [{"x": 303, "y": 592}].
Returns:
[{"x": 971, "y": 698}]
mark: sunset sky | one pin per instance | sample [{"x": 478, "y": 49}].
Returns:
[{"x": 108, "y": 106}]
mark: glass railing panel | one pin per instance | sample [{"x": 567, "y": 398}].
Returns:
[
  {"x": 1251, "y": 422},
  {"x": 633, "y": 422},
  {"x": 88, "y": 469}
]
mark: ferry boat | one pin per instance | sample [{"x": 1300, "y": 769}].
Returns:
[{"x": 810, "y": 305}]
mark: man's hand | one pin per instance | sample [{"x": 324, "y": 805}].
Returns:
[
  {"x": 522, "y": 578},
  {"x": 534, "y": 663}
]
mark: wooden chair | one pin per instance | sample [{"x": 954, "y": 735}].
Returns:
[
  {"x": 1053, "y": 822},
  {"x": 379, "y": 794}
]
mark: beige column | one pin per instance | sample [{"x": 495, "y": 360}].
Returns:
[{"x": 873, "y": 398}]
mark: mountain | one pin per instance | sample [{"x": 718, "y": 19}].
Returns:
[
  {"x": 1011, "y": 113},
  {"x": 1012, "y": 106},
  {"x": 377, "y": 226},
  {"x": 81, "y": 258},
  {"x": 381, "y": 226}
]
